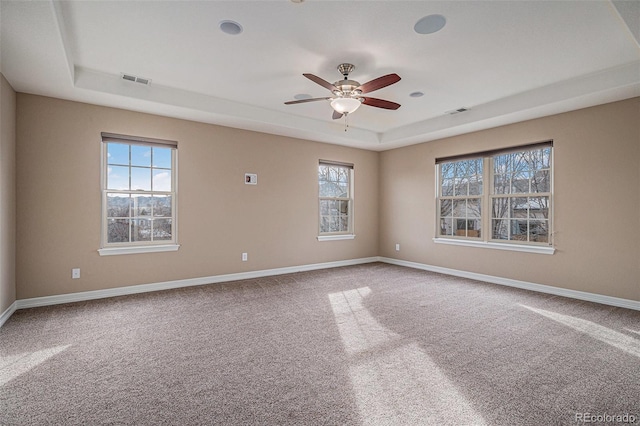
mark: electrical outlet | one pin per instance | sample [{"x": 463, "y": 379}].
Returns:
[
  {"x": 245, "y": 257},
  {"x": 75, "y": 273},
  {"x": 397, "y": 247}
]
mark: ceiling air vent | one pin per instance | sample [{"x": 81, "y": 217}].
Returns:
[
  {"x": 135, "y": 79},
  {"x": 457, "y": 111}
]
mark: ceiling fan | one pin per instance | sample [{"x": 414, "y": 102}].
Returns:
[{"x": 348, "y": 94}]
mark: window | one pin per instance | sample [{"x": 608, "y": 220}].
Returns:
[
  {"x": 335, "y": 182},
  {"x": 138, "y": 192},
  {"x": 515, "y": 207},
  {"x": 461, "y": 198}
]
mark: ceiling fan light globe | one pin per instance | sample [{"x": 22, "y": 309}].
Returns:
[{"x": 345, "y": 105}]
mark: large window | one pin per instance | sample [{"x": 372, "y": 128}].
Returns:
[
  {"x": 335, "y": 183},
  {"x": 138, "y": 191},
  {"x": 507, "y": 192}
]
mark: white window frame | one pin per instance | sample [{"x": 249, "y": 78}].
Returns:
[
  {"x": 134, "y": 247},
  {"x": 488, "y": 195},
  {"x": 344, "y": 234}
]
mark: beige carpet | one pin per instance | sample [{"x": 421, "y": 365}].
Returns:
[{"x": 373, "y": 344}]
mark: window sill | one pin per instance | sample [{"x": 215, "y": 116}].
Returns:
[
  {"x": 112, "y": 251},
  {"x": 497, "y": 246},
  {"x": 336, "y": 237}
]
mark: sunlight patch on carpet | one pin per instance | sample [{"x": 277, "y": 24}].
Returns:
[
  {"x": 614, "y": 338},
  {"x": 15, "y": 365},
  {"x": 394, "y": 382}
]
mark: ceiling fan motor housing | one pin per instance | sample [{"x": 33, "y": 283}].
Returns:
[{"x": 346, "y": 88}]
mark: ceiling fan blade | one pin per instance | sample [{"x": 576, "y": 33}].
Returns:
[
  {"x": 379, "y": 83},
  {"x": 336, "y": 115},
  {"x": 380, "y": 103},
  {"x": 321, "y": 82},
  {"x": 301, "y": 101}
]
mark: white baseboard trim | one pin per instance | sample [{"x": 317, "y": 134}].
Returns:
[
  {"x": 541, "y": 288},
  {"x": 8, "y": 312},
  {"x": 167, "y": 285}
]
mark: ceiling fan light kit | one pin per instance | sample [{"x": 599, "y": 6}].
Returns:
[
  {"x": 347, "y": 94},
  {"x": 345, "y": 105}
]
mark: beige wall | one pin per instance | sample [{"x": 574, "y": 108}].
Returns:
[
  {"x": 275, "y": 222},
  {"x": 596, "y": 195},
  {"x": 597, "y": 201},
  {"x": 7, "y": 195}
]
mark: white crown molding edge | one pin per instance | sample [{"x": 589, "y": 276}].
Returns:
[{"x": 539, "y": 288}]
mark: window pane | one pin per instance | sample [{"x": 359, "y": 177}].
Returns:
[
  {"x": 343, "y": 223},
  {"x": 447, "y": 170},
  {"x": 500, "y": 207},
  {"x": 118, "y": 178},
  {"x": 520, "y": 182},
  {"x": 324, "y": 223},
  {"x": 462, "y": 186},
  {"x": 162, "y": 180},
  {"x": 344, "y": 207},
  {"x": 118, "y": 205},
  {"x": 459, "y": 208},
  {"x": 539, "y": 207},
  {"x": 519, "y": 208},
  {"x": 118, "y": 230},
  {"x": 117, "y": 153},
  {"x": 501, "y": 184},
  {"x": 540, "y": 181},
  {"x": 141, "y": 230},
  {"x": 500, "y": 229},
  {"x": 461, "y": 227},
  {"x": 141, "y": 205},
  {"x": 539, "y": 231},
  {"x": 140, "y": 179},
  {"x": 445, "y": 208},
  {"x": 332, "y": 174},
  {"x": 447, "y": 187},
  {"x": 162, "y": 229},
  {"x": 473, "y": 228},
  {"x": 473, "y": 207},
  {"x": 140, "y": 155},
  {"x": 162, "y": 206},
  {"x": 519, "y": 231},
  {"x": 162, "y": 157},
  {"x": 475, "y": 185},
  {"x": 446, "y": 227},
  {"x": 502, "y": 163}
]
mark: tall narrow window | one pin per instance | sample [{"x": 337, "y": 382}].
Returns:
[
  {"x": 521, "y": 196},
  {"x": 461, "y": 198},
  {"x": 335, "y": 183},
  {"x": 138, "y": 191}
]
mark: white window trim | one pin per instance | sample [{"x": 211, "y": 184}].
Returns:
[
  {"x": 113, "y": 251},
  {"x": 107, "y": 249},
  {"x": 486, "y": 221},
  {"x": 336, "y": 237},
  {"x": 497, "y": 246},
  {"x": 349, "y": 235}
]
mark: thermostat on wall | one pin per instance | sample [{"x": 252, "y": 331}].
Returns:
[{"x": 250, "y": 179}]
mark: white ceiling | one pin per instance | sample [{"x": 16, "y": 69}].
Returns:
[{"x": 505, "y": 61}]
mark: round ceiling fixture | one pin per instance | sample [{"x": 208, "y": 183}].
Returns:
[
  {"x": 430, "y": 24},
  {"x": 416, "y": 94},
  {"x": 230, "y": 27}
]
